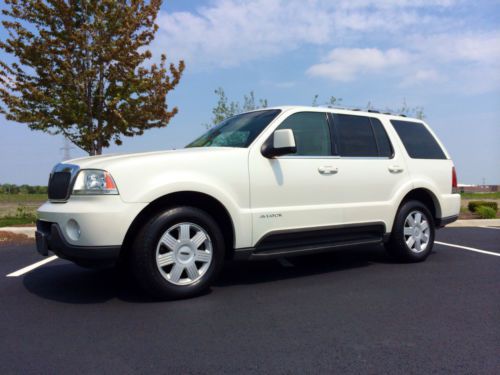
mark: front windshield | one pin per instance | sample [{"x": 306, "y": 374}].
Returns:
[{"x": 236, "y": 131}]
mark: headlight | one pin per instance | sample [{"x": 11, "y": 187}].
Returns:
[{"x": 94, "y": 182}]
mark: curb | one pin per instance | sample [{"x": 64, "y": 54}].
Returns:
[
  {"x": 27, "y": 231},
  {"x": 475, "y": 223},
  {"x": 30, "y": 231}
]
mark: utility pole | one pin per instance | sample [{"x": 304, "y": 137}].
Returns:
[{"x": 66, "y": 149}]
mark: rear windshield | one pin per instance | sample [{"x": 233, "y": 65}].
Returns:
[{"x": 418, "y": 141}]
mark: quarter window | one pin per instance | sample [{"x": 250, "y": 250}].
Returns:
[
  {"x": 311, "y": 131},
  {"x": 383, "y": 143},
  {"x": 418, "y": 141}
]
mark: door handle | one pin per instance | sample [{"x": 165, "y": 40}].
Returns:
[
  {"x": 327, "y": 170},
  {"x": 395, "y": 169}
]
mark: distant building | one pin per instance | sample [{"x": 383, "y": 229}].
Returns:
[{"x": 478, "y": 188}]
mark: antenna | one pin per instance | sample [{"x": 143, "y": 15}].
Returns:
[{"x": 66, "y": 149}]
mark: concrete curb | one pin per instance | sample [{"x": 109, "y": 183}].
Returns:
[
  {"x": 27, "y": 231},
  {"x": 30, "y": 231},
  {"x": 475, "y": 223}
]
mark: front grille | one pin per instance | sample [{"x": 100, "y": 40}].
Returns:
[{"x": 59, "y": 185}]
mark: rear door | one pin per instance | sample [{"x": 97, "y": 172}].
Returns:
[{"x": 371, "y": 170}]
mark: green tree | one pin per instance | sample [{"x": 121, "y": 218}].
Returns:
[
  {"x": 332, "y": 102},
  {"x": 225, "y": 108},
  {"x": 79, "y": 69}
]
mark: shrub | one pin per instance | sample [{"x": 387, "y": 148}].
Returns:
[
  {"x": 486, "y": 212},
  {"x": 474, "y": 205}
]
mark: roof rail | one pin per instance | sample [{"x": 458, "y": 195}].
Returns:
[{"x": 373, "y": 111}]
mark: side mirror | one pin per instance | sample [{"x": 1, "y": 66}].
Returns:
[{"x": 282, "y": 142}]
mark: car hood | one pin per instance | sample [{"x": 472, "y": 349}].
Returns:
[{"x": 108, "y": 161}]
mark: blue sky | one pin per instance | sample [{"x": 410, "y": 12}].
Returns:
[{"x": 443, "y": 55}]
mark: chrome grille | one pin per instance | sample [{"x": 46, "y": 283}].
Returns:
[{"x": 61, "y": 181}]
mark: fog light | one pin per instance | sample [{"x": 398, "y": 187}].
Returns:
[{"x": 73, "y": 230}]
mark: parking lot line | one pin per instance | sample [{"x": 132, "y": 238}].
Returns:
[
  {"x": 491, "y": 227},
  {"x": 27, "y": 269},
  {"x": 467, "y": 248}
]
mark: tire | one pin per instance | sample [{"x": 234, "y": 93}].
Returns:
[
  {"x": 412, "y": 236},
  {"x": 178, "y": 253}
]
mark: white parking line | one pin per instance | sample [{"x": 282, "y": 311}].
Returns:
[
  {"x": 468, "y": 248},
  {"x": 491, "y": 227},
  {"x": 27, "y": 269}
]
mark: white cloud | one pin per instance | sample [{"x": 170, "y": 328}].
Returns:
[
  {"x": 469, "y": 62},
  {"x": 345, "y": 64},
  {"x": 231, "y": 32},
  {"x": 413, "y": 41}
]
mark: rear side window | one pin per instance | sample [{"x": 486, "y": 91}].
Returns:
[
  {"x": 361, "y": 136},
  {"x": 418, "y": 141},
  {"x": 355, "y": 136}
]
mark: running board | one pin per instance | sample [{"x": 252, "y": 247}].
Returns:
[{"x": 308, "y": 241}]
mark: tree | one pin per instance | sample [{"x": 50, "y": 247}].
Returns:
[
  {"x": 80, "y": 69},
  {"x": 332, "y": 102},
  {"x": 225, "y": 109},
  {"x": 405, "y": 109}
]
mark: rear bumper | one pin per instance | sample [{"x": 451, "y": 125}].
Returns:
[
  {"x": 49, "y": 238},
  {"x": 441, "y": 222}
]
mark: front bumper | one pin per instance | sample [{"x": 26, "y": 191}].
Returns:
[
  {"x": 102, "y": 220},
  {"x": 49, "y": 237}
]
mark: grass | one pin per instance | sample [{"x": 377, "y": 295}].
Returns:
[
  {"x": 23, "y": 198},
  {"x": 492, "y": 195},
  {"x": 19, "y": 209},
  {"x": 12, "y": 221}
]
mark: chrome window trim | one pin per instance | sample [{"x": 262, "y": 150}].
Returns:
[{"x": 336, "y": 157}]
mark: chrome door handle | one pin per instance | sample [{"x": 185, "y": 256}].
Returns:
[
  {"x": 395, "y": 169},
  {"x": 327, "y": 170}
]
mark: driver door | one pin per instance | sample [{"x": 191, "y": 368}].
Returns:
[{"x": 295, "y": 191}]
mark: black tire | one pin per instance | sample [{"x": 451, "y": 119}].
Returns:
[
  {"x": 397, "y": 245},
  {"x": 144, "y": 252}
]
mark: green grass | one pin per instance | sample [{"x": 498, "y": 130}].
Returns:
[
  {"x": 22, "y": 198},
  {"x": 13, "y": 221},
  {"x": 493, "y": 195}
]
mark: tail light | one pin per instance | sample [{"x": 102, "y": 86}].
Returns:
[{"x": 453, "y": 178}]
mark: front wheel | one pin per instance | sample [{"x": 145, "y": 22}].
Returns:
[
  {"x": 412, "y": 237},
  {"x": 178, "y": 253}
]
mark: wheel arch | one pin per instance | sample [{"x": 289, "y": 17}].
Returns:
[
  {"x": 185, "y": 198},
  {"x": 427, "y": 197}
]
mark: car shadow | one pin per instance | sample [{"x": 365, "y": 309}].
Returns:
[{"x": 68, "y": 283}]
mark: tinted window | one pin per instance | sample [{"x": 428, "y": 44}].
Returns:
[
  {"x": 418, "y": 141},
  {"x": 355, "y": 136},
  {"x": 236, "y": 131},
  {"x": 311, "y": 131},
  {"x": 383, "y": 143}
]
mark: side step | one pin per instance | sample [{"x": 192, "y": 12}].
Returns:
[{"x": 300, "y": 242}]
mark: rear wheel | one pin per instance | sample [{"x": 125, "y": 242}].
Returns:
[
  {"x": 412, "y": 237},
  {"x": 178, "y": 253}
]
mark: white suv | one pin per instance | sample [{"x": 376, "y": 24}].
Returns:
[{"x": 270, "y": 183}]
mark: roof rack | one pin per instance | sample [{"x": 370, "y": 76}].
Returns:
[{"x": 386, "y": 112}]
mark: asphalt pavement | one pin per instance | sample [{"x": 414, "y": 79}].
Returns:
[{"x": 349, "y": 311}]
